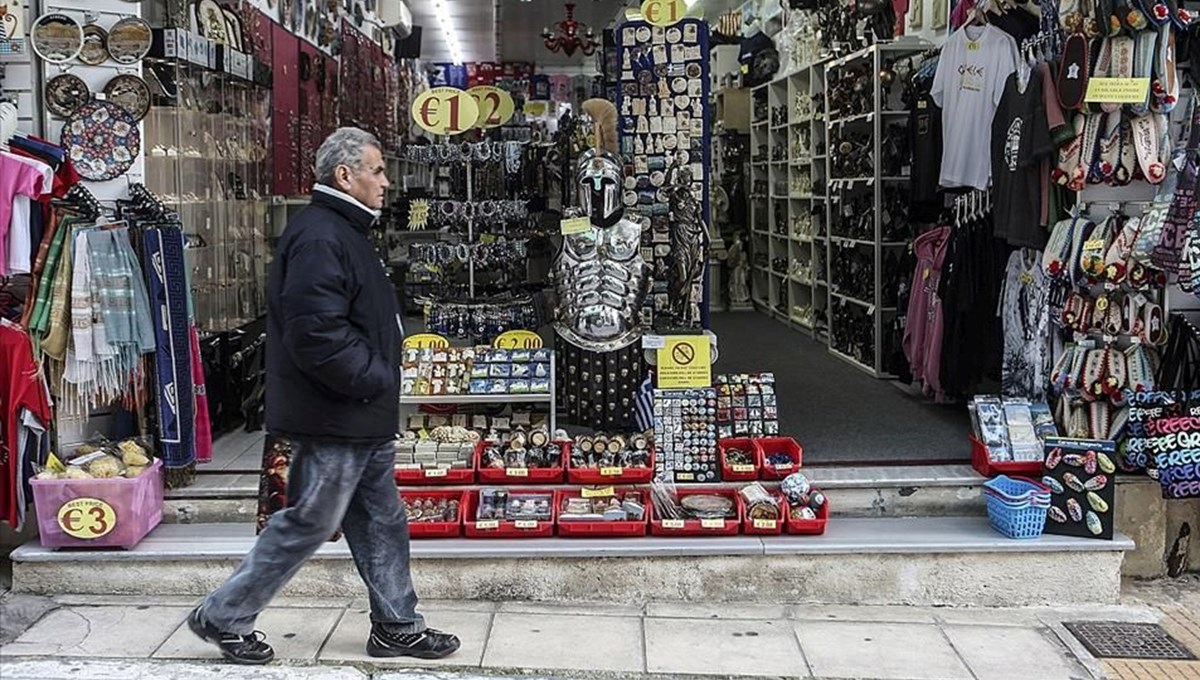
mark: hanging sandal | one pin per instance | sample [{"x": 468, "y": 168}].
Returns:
[
  {"x": 1165, "y": 84},
  {"x": 1091, "y": 255},
  {"x": 1114, "y": 384},
  {"x": 1099, "y": 419},
  {"x": 1154, "y": 329},
  {"x": 1073, "y": 73},
  {"x": 1145, "y": 144}
]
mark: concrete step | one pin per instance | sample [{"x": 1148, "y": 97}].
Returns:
[
  {"x": 916, "y": 561},
  {"x": 865, "y": 491}
]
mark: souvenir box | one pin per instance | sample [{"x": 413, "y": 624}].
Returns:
[
  {"x": 810, "y": 527},
  {"x": 765, "y": 527},
  {"x": 740, "y": 472},
  {"x": 612, "y": 464},
  {"x": 520, "y": 475},
  {"x": 436, "y": 529},
  {"x": 697, "y": 527},
  {"x": 98, "y": 513},
  {"x": 779, "y": 445},
  {"x": 507, "y": 528},
  {"x": 599, "y": 527}
]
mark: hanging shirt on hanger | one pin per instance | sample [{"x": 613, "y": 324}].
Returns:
[
  {"x": 16, "y": 179},
  {"x": 1025, "y": 314},
  {"x": 975, "y": 63},
  {"x": 22, "y": 390},
  {"x": 1020, "y": 140},
  {"x": 20, "y": 238}
]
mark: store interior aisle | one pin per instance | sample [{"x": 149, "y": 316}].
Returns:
[{"x": 838, "y": 413}]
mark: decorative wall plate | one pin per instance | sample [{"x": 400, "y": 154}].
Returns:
[
  {"x": 210, "y": 21},
  {"x": 56, "y": 38},
  {"x": 65, "y": 94},
  {"x": 233, "y": 30},
  {"x": 130, "y": 93},
  {"x": 102, "y": 140},
  {"x": 674, "y": 35},
  {"x": 129, "y": 40},
  {"x": 95, "y": 45}
]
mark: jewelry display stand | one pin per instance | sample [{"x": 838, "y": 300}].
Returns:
[{"x": 885, "y": 109}]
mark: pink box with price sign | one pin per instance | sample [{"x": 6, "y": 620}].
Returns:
[{"x": 98, "y": 513}]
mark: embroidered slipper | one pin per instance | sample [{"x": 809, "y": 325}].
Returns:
[
  {"x": 1154, "y": 331},
  {"x": 1099, "y": 419},
  {"x": 1143, "y": 66},
  {"x": 1081, "y": 234},
  {"x": 1114, "y": 384},
  {"x": 1128, "y": 315},
  {"x": 1069, "y": 156},
  {"x": 1091, "y": 255},
  {"x": 1120, "y": 50},
  {"x": 1156, "y": 11},
  {"x": 1112, "y": 318},
  {"x": 1090, "y": 155},
  {"x": 1093, "y": 375},
  {"x": 1180, "y": 16},
  {"x": 1053, "y": 257},
  {"x": 1145, "y": 144},
  {"x": 1104, "y": 15},
  {"x": 1141, "y": 373},
  {"x": 1165, "y": 84},
  {"x": 1120, "y": 420},
  {"x": 1132, "y": 18},
  {"x": 1127, "y": 164},
  {"x": 1073, "y": 72},
  {"x": 1110, "y": 148},
  {"x": 1077, "y": 364},
  {"x": 1060, "y": 376}
]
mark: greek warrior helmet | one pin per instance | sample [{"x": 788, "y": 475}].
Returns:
[{"x": 599, "y": 175}]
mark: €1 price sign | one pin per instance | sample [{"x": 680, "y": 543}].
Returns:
[
  {"x": 87, "y": 518},
  {"x": 445, "y": 111},
  {"x": 426, "y": 341},
  {"x": 496, "y": 106},
  {"x": 663, "y": 12}
]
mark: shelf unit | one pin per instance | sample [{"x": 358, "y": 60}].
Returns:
[
  {"x": 490, "y": 399},
  {"x": 785, "y": 168},
  {"x": 886, "y": 109}
]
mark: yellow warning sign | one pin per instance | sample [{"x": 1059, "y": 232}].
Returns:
[{"x": 685, "y": 361}]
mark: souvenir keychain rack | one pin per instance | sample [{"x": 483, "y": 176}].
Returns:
[
  {"x": 884, "y": 110},
  {"x": 468, "y": 399}
]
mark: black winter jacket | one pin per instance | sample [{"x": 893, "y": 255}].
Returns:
[{"x": 333, "y": 334}]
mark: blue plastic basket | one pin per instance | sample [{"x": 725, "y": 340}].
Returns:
[{"x": 1022, "y": 519}]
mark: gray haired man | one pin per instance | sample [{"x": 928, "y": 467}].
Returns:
[{"x": 333, "y": 345}]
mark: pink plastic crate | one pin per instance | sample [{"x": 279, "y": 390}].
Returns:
[{"x": 136, "y": 504}]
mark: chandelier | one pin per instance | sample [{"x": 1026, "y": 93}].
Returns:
[{"x": 566, "y": 36}]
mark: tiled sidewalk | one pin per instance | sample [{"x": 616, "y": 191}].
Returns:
[{"x": 667, "y": 639}]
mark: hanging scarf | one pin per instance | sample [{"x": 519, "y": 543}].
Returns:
[
  {"x": 165, "y": 271},
  {"x": 58, "y": 321}
]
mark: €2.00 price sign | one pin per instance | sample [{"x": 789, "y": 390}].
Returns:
[
  {"x": 496, "y": 106},
  {"x": 445, "y": 111}
]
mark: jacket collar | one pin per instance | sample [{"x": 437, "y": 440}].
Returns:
[{"x": 345, "y": 205}]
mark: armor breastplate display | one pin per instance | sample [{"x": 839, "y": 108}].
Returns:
[{"x": 601, "y": 281}]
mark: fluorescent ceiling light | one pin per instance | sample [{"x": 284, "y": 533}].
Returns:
[{"x": 443, "y": 15}]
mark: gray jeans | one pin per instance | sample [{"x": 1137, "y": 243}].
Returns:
[{"x": 328, "y": 484}]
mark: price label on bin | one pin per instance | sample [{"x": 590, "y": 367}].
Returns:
[
  {"x": 87, "y": 518},
  {"x": 611, "y": 471},
  {"x": 526, "y": 524},
  {"x": 712, "y": 523},
  {"x": 765, "y": 524},
  {"x": 487, "y": 524},
  {"x": 517, "y": 472},
  {"x": 441, "y": 472},
  {"x": 673, "y": 524},
  {"x": 742, "y": 468}
]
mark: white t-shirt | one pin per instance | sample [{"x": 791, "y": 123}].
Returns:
[
  {"x": 20, "y": 242},
  {"x": 975, "y": 63}
]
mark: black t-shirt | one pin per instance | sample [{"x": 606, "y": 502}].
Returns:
[
  {"x": 925, "y": 140},
  {"x": 1020, "y": 140},
  {"x": 1016, "y": 22}
]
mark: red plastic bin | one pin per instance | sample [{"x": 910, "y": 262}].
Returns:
[
  {"x": 696, "y": 527},
  {"x": 811, "y": 527},
  {"x": 570, "y": 529},
  {"x": 489, "y": 475},
  {"x": 421, "y": 477},
  {"x": 108, "y": 513},
  {"x": 473, "y": 528},
  {"x": 770, "y": 445},
  {"x": 985, "y": 467},
  {"x": 437, "y": 529},
  {"x": 765, "y": 527},
  {"x": 613, "y": 475},
  {"x": 748, "y": 473}
]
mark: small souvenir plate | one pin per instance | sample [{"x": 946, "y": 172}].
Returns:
[
  {"x": 674, "y": 35},
  {"x": 95, "y": 45},
  {"x": 693, "y": 70},
  {"x": 210, "y": 21},
  {"x": 56, "y": 38},
  {"x": 679, "y": 85},
  {"x": 130, "y": 93},
  {"x": 670, "y": 142},
  {"x": 682, "y": 101},
  {"x": 643, "y": 34},
  {"x": 65, "y": 94},
  {"x": 233, "y": 29},
  {"x": 129, "y": 40},
  {"x": 102, "y": 140}
]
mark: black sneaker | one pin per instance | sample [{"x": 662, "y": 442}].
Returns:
[
  {"x": 244, "y": 649},
  {"x": 428, "y": 644}
]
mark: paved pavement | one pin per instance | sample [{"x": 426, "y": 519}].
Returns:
[{"x": 131, "y": 638}]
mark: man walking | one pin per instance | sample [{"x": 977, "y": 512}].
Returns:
[{"x": 333, "y": 345}]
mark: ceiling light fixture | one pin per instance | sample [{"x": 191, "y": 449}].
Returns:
[
  {"x": 443, "y": 15},
  {"x": 569, "y": 35}
]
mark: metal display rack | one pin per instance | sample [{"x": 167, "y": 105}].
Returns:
[{"x": 492, "y": 399}]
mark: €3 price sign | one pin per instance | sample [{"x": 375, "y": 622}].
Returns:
[
  {"x": 445, "y": 111},
  {"x": 663, "y": 12},
  {"x": 496, "y": 106},
  {"x": 87, "y": 518}
]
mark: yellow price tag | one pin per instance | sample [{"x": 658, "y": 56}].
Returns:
[
  {"x": 765, "y": 524},
  {"x": 87, "y": 518},
  {"x": 518, "y": 340},
  {"x": 712, "y": 523},
  {"x": 1117, "y": 90},
  {"x": 445, "y": 111},
  {"x": 526, "y": 524},
  {"x": 742, "y": 468},
  {"x": 517, "y": 472},
  {"x": 440, "y": 472},
  {"x": 486, "y": 524},
  {"x": 575, "y": 225},
  {"x": 673, "y": 524},
  {"x": 611, "y": 471},
  {"x": 685, "y": 361},
  {"x": 426, "y": 341},
  {"x": 496, "y": 106},
  {"x": 663, "y": 12},
  {"x": 785, "y": 466},
  {"x": 685, "y": 476},
  {"x": 1094, "y": 244},
  {"x": 600, "y": 492}
]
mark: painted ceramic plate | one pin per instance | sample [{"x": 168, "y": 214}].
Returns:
[
  {"x": 674, "y": 35},
  {"x": 56, "y": 38},
  {"x": 65, "y": 94},
  {"x": 694, "y": 70},
  {"x": 643, "y": 34},
  {"x": 210, "y": 21},
  {"x": 129, "y": 40},
  {"x": 233, "y": 30},
  {"x": 679, "y": 85},
  {"x": 130, "y": 93},
  {"x": 95, "y": 45},
  {"x": 102, "y": 140}
]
